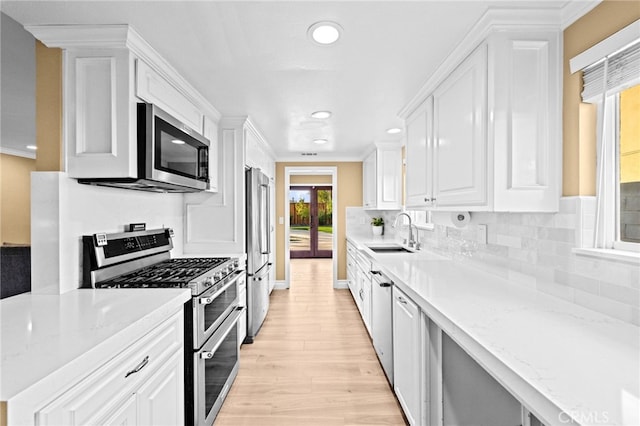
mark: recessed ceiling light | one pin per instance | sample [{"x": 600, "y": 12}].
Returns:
[
  {"x": 320, "y": 141},
  {"x": 325, "y": 32},
  {"x": 394, "y": 130},
  {"x": 32, "y": 147},
  {"x": 321, "y": 114},
  {"x": 177, "y": 141}
]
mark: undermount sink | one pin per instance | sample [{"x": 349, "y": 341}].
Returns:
[{"x": 389, "y": 249}]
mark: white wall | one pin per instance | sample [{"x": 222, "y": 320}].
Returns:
[{"x": 62, "y": 211}]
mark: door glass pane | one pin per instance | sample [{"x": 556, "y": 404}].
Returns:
[
  {"x": 176, "y": 152},
  {"x": 629, "y": 200},
  {"x": 299, "y": 220},
  {"x": 218, "y": 368},
  {"x": 325, "y": 224}
]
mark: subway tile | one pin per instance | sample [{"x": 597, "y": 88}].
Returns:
[
  {"x": 522, "y": 231},
  {"x": 523, "y": 255},
  {"x": 539, "y": 219},
  {"x": 509, "y": 241},
  {"x": 585, "y": 284},
  {"x": 635, "y": 316},
  {"x": 557, "y": 290},
  {"x": 561, "y": 277},
  {"x": 605, "y": 306},
  {"x": 567, "y": 221},
  {"x": 569, "y": 204},
  {"x": 622, "y": 294},
  {"x": 557, "y": 234}
]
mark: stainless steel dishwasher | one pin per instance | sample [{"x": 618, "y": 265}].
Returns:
[{"x": 381, "y": 318}]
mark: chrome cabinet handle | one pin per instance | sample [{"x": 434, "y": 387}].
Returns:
[
  {"x": 376, "y": 272},
  {"x": 385, "y": 284},
  {"x": 139, "y": 367},
  {"x": 402, "y": 300}
]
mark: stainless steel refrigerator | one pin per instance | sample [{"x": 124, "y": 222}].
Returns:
[{"x": 258, "y": 249}]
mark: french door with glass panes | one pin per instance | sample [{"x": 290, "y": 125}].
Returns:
[{"x": 310, "y": 221}]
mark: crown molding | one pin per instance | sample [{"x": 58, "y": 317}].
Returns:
[
  {"x": 576, "y": 9},
  {"x": 494, "y": 20},
  {"x": 122, "y": 36}
]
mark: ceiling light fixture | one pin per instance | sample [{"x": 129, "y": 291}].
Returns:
[
  {"x": 394, "y": 130},
  {"x": 325, "y": 32},
  {"x": 320, "y": 141},
  {"x": 177, "y": 141},
  {"x": 32, "y": 147},
  {"x": 321, "y": 114}
]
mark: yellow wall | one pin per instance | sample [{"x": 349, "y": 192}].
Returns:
[
  {"x": 15, "y": 190},
  {"x": 310, "y": 179},
  {"x": 579, "y": 149},
  {"x": 349, "y": 195},
  {"x": 48, "y": 108},
  {"x": 630, "y": 135}
]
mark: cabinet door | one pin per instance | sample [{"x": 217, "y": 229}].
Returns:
[
  {"x": 125, "y": 415},
  {"x": 525, "y": 129},
  {"x": 460, "y": 143},
  {"x": 419, "y": 156},
  {"x": 369, "y": 181},
  {"x": 161, "y": 397},
  {"x": 210, "y": 131},
  {"x": 388, "y": 177},
  {"x": 100, "y": 114},
  {"x": 407, "y": 371},
  {"x": 366, "y": 301}
]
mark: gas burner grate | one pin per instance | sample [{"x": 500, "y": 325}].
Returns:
[{"x": 169, "y": 273}]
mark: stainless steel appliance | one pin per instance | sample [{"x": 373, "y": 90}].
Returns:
[
  {"x": 171, "y": 156},
  {"x": 258, "y": 250},
  {"x": 381, "y": 321},
  {"x": 141, "y": 259}
]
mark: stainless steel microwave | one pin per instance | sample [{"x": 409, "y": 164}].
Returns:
[{"x": 172, "y": 157}]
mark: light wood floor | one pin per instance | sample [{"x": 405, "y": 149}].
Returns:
[{"x": 312, "y": 362}]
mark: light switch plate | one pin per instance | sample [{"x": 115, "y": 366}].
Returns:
[
  {"x": 482, "y": 234},
  {"x": 281, "y": 220}
]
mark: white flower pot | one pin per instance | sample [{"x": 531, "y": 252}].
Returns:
[{"x": 377, "y": 230}]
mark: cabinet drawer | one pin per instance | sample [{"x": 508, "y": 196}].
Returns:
[{"x": 96, "y": 396}]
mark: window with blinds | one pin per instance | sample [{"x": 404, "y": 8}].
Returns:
[{"x": 622, "y": 70}]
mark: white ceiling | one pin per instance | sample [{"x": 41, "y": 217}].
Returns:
[{"x": 254, "y": 58}]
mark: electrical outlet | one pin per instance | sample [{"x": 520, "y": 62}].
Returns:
[
  {"x": 281, "y": 220},
  {"x": 482, "y": 234}
]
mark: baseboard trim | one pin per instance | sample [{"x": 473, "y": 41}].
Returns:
[
  {"x": 341, "y": 284},
  {"x": 281, "y": 285}
]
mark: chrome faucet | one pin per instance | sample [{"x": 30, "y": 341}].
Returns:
[{"x": 410, "y": 242}]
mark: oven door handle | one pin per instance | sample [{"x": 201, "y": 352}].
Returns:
[
  {"x": 206, "y": 300},
  {"x": 222, "y": 332}
]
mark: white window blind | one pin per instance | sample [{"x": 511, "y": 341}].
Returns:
[{"x": 623, "y": 71}]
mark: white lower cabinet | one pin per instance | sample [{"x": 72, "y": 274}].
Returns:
[
  {"x": 407, "y": 368},
  {"x": 143, "y": 385}
]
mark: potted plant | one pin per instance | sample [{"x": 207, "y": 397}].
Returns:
[{"x": 377, "y": 225}]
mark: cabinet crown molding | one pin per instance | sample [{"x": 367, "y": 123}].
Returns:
[
  {"x": 120, "y": 36},
  {"x": 493, "y": 21}
]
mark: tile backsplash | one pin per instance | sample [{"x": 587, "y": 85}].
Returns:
[{"x": 535, "y": 250}]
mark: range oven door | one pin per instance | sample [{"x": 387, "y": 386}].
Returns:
[
  {"x": 214, "y": 305},
  {"x": 215, "y": 369}
]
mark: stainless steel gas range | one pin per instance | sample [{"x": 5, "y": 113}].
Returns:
[{"x": 141, "y": 259}]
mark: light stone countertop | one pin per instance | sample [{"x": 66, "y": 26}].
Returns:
[
  {"x": 560, "y": 360},
  {"x": 49, "y": 341}
]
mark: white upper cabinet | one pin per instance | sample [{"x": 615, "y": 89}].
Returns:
[
  {"x": 487, "y": 137},
  {"x": 152, "y": 88},
  {"x": 419, "y": 157},
  {"x": 258, "y": 154},
  {"x": 459, "y": 123},
  {"x": 107, "y": 70},
  {"x": 382, "y": 178}
]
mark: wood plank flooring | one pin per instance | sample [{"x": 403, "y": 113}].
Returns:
[{"x": 312, "y": 362}]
